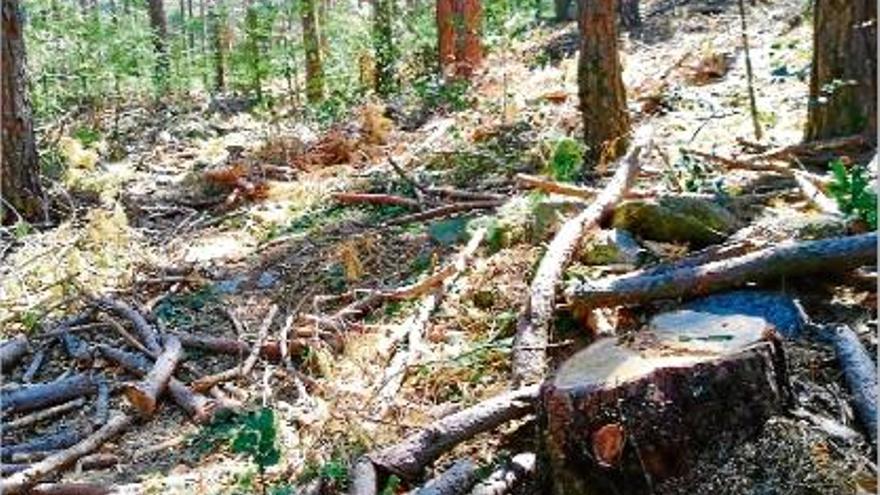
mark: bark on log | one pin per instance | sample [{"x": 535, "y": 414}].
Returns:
[
  {"x": 53, "y": 441},
  {"x": 408, "y": 458},
  {"x": 37, "y": 416},
  {"x": 197, "y": 406},
  {"x": 144, "y": 395},
  {"x": 270, "y": 351},
  {"x": 621, "y": 417},
  {"x": 37, "y": 396},
  {"x": 508, "y": 477},
  {"x": 795, "y": 258},
  {"x": 458, "y": 479},
  {"x": 148, "y": 335},
  {"x": 34, "y": 367},
  {"x": 815, "y": 195},
  {"x": 532, "y": 329},
  {"x": 860, "y": 373},
  {"x": 22, "y": 481},
  {"x": 11, "y": 352},
  {"x": 70, "y": 489}
]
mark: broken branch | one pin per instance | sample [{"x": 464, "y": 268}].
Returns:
[{"x": 143, "y": 395}]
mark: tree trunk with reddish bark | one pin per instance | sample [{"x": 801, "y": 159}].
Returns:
[
  {"x": 843, "y": 83},
  {"x": 446, "y": 33},
  {"x": 600, "y": 83},
  {"x": 470, "y": 48},
  {"x": 19, "y": 167}
]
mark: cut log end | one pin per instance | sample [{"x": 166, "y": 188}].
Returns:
[
  {"x": 622, "y": 416},
  {"x": 141, "y": 399}
]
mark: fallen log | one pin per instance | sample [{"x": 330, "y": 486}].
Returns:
[
  {"x": 789, "y": 259},
  {"x": 508, "y": 477},
  {"x": 97, "y": 461},
  {"x": 823, "y": 151},
  {"x": 445, "y": 210},
  {"x": 197, "y": 406},
  {"x": 70, "y": 489},
  {"x": 34, "y": 367},
  {"x": 860, "y": 373},
  {"x": 11, "y": 352},
  {"x": 375, "y": 199},
  {"x": 148, "y": 335},
  {"x": 623, "y": 415},
  {"x": 102, "y": 403},
  {"x": 549, "y": 186},
  {"x": 41, "y": 415},
  {"x": 144, "y": 395},
  {"x": 815, "y": 195},
  {"x": 75, "y": 348},
  {"x": 270, "y": 351},
  {"x": 449, "y": 192},
  {"x": 408, "y": 458},
  {"x": 22, "y": 481},
  {"x": 53, "y": 441},
  {"x": 458, "y": 479},
  {"x": 532, "y": 329},
  {"x": 40, "y": 395},
  {"x": 205, "y": 383}
]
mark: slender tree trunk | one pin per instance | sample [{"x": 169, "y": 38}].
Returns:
[
  {"x": 192, "y": 36},
  {"x": 383, "y": 45},
  {"x": 446, "y": 33},
  {"x": 159, "y": 25},
  {"x": 218, "y": 28},
  {"x": 600, "y": 83},
  {"x": 312, "y": 43},
  {"x": 470, "y": 55},
  {"x": 843, "y": 83},
  {"x": 20, "y": 168}
]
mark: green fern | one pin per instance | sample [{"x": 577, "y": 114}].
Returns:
[
  {"x": 851, "y": 189},
  {"x": 567, "y": 161}
]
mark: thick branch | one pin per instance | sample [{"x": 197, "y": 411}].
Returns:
[
  {"x": 144, "y": 394},
  {"x": 795, "y": 258},
  {"x": 40, "y": 395},
  {"x": 860, "y": 373},
  {"x": 456, "y": 480},
  {"x": 11, "y": 352},
  {"x": 532, "y": 328},
  {"x": 148, "y": 335},
  {"x": 43, "y": 414},
  {"x": 375, "y": 199}
]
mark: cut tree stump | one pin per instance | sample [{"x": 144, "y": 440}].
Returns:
[{"x": 623, "y": 416}]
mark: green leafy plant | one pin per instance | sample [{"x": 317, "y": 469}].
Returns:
[
  {"x": 851, "y": 189},
  {"x": 567, "y": 161}
]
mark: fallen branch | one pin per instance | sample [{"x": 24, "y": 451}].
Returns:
[
  {"x": 11, "y": 352},
  {"x": 375, "y": 199},
  {"x": 443, "y": 211},
  {"x": 53, "y": 441},
  {"x": 143, "y": 395},
  {"x": 734, "y": 164},
  {"x": 148, "y": 335},
  {"x": 508, "y": 477},
  {"x": 20, "y": 482},
  {"x": 550, "y": 186},
  {"x": 197, "y": 406},
  {"x": 34, "y": 367},
  {"x": 270, "y": 351},
  {"x": 813, "y": 149},
  {"x": 815, "y": 195},
  {"x": 458, "y": 479},
  {"x": 408, "y": 458},
  {"x": 37, "y": 416},
  {"x": 449, "y": 192},
  {"x": 532, "y": 329},
  {"x": 795, "y": 258},
  {"x": 860, "y": 372},
  {"x": 40, "y": 395},
  {"x": 70, "y": 489},
  {"x": 205, "y": 383}
]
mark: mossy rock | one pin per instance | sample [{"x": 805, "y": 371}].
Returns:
[{"x": 692, "y": 220}]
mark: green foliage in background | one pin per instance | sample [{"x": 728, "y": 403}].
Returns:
[
  {"x": 851, "y": 189},
  {"x": 567, "y": 161}
]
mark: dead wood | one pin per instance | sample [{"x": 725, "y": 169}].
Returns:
[
  {"x": 363, "y": 478},
  {"x": 145, "y": 331},
  {"x": 707, "y": 255},
  {"x": 508, "y": 477},
  {"x": 23, "y": 480},
  {"x": 458, "y": 479},
  {"x": 70, "y": 489},
  {"x": 375, "y": 199},
  {"x": 52, "y": 441},
  {"x": 76, "y": 348},
  {"x": 144, "y": 395},
  {"x": 129, "y": 338},
  {"x": 196, "y": 405},
  {"x": 444, "y": 211},
  {"x": 450, "y": 192},
  {"x": 408, "y": 458},
  {"x": 823, "y": 150},
  {"x": 205, "y": 383},
  {"x": 40, "y": 395},
  {"x": 860, "y": 373},
  {"x": 814, "y": 194},
  {"x": 270, "y": 351},
  {"x": 549, "y": 186},
  {"x": 734, "y": 164},
  {"x": 34, "y": 367},
  {"x": 532, "y": 329},
  {"x": 789, "y": 259},
  {"x": 11, "y": 352},
  {"x": 97, "y": 461},
  {"x": 41, "y": 415},
  {"x": 102, "y": 402}
]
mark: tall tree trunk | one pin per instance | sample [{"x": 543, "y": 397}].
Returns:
[
  {"x": 192, "y": 36},
  {"x": 470, "y": 50},
  {"x": 383, "y": 45},
  {"x": 20, "y": 166},
  {"x": 159, "y": 25},
  {"x": 218, "y": 29},
  {"x": 446, "y": 33},
  {"x": 843, "y": 83},
  {"x": 600, "y": 83},
  {"x": 312, "y": 43},
  {"x": 564, "y": 10}
]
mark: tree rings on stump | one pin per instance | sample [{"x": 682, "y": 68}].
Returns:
[{"x": 624, "y": 415}]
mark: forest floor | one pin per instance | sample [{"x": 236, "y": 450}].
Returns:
[{"x": 211, "y": 216}]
